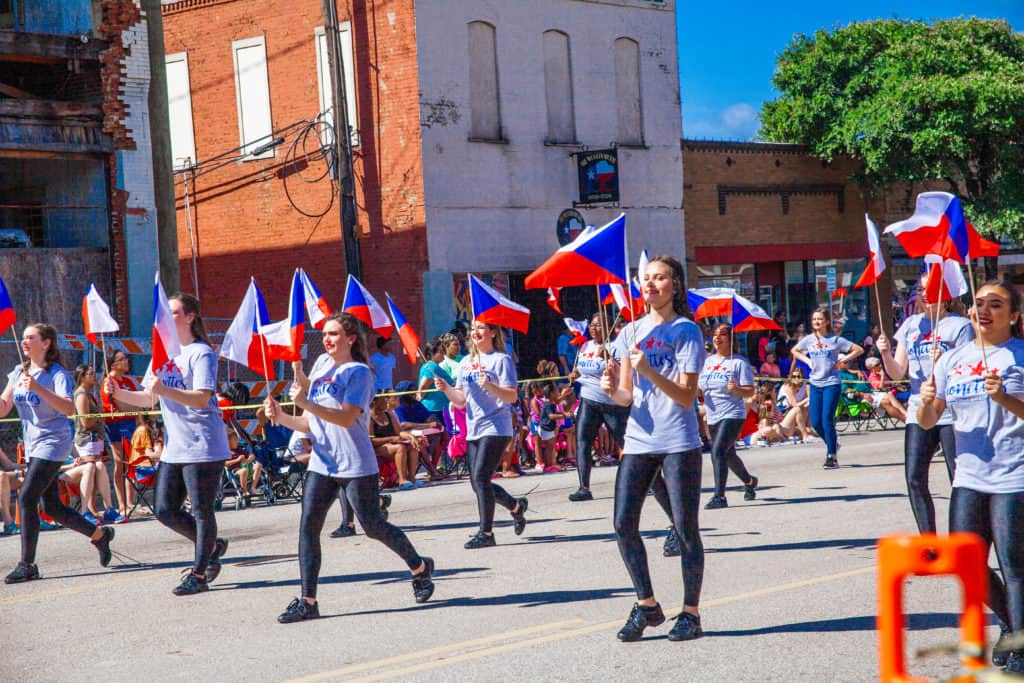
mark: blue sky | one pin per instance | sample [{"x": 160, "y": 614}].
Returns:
[{"x": 727, "y": 52}]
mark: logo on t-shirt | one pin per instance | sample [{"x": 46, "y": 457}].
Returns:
[
  {"x": 27, "y": 397},
  {"x": 717, "y": 374},
  {"x": 170, "y": 374},
  {"x": 964, "y": 370},
  {"x": 325, "y": 386},
  {"x": 969, "y": 382}
]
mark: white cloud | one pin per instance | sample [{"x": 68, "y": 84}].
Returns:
[{"x": 735, "y": 122}]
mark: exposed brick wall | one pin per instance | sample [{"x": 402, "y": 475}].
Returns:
[{"x": 118, "y": 16}]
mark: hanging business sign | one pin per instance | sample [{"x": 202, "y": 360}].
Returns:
[
  {"x": 598, "y": 174},
  {"x": 569, "y": 226}
]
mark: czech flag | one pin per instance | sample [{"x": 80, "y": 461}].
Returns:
[
  {"x": 597, "y": 257},
  {"x": 96, "y": 315},
  {"x": 938, "y": 226},
  {"x": 748, "y": 317},
  {"x": 489, "y": 306},
  {"x": 553, "y": 295},
  {"x": 606, "y": 296},
  {"x": 631, "y": 305},
  {"x": 410, "y": 340},
  {"x": 243, "y": 342},
  {"x": 710, "y": 302},
  {"x": 284, "y": 337},
  {"x": 876, "y": 262},
  {"x": 317, "y": 309},
  {"x": 945, "y": 279},
  {"x": 360, "y": 303},
  {"x": 166, "y": 344},
  {"x": 580, "y": 330},
  {"x": 7, "y": 316}
]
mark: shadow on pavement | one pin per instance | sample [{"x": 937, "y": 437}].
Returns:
[
  {"x": 474, "y": 524},
  {"x": 841, "y": 543},
  {"x": 538, "y": 599},
  {"x": 915, "y": 622},
  {"x": 852, "y": 498},
  {"x": 374, "y": 577}
]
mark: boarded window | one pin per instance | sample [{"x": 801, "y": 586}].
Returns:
[
  {"x": 252, "y": 91},
  {"x": 558, "y": 87},
  {"x": 323, "y": 76},
  {"x": 179, "y": 104},
  {"x": 627, "y": 92},
  {"x": 485, "y": 110}
]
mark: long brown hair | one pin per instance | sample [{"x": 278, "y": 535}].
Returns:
[
  {"x": 351, "y": 325},
  {"x": 190, "y": 304},
  {"x": 499, "y": 339},
  {"x": 46, "y": 332},
  {"x": 679, "y": 302}
]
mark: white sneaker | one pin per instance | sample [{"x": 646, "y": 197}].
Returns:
[{"x": 761, "y": 443}]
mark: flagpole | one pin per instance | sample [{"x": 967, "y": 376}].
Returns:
[
  {"x": 17, "y": 345},
  {"x": 935, "y": 324},
  {"x": 974, "y": 299},
  {"x": 103, "y": 350},
  {"x": 604, "y": 318}
]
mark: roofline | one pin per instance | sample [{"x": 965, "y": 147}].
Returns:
[{"x": 740, "y": 146}]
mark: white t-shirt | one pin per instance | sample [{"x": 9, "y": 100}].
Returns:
[
  {"x": 383, "y": 370},
  {"x": 47, "y": 432},
  {"x": 486, "y": 414},
  {"x": 824, "y": 353},
  {"x": 344, "y": 452},
  {"x": 720, "y": 403},
  {"x": 192, "y": 435},
  {"x": 591, "y": 365},
  {"x": 915, "y": 335},
  {"x": 657, "y": 424}
]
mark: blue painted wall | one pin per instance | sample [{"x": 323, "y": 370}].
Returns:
[{"x": 56, "y": 17}]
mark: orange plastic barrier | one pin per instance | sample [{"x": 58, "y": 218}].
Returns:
[{"x": 899, "y": 556}]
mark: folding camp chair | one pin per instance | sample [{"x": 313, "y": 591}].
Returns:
[{"x": 140, "y": 475}]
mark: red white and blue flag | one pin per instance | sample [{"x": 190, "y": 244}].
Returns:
[
  {"x": 317, "y": 309},
  {"x": 945, "y": 279},
  {"x": 410, "y": 340},
  {"x": 631, "y": 305},
  {"x": 554, "y": 293},
  {"x": 938, "y": 226},
  {"x": 747, "y": 316},
  {"x": 492, "y": 307},
  {"x": 876, "y": 262},
  {"x": 243, "y": 342},
  {"x": 641, "y": 269},
  {"x": 708, "y": 302},
  {"x": 597, "y": 257},
  {"x": 580, "y": 330},
  {"x": 360, "y": 303},
  {"x": 96, "y": 316},
  {"x": 7, "y": 316},
  {"x": 166, "y": 344},
  {"x": 284, "y": 337}
]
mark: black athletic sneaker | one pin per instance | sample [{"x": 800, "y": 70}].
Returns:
[
  {"x": 299, "y": 610},
  {"x": 480, "y": 540},
  {"x": 999, "y": 651},
  {"x": 22, "y": 573},
  {"x": 716, "y": 502},
  {"x": 103, "y": 545},
  {"x": 191, "y": 584},
  {"x": 750, "y": 490},
  {"x": 422, "y": 583},
  {"x": 1015, "y": 663},
  {"x": 687, "y": 628},
  {"x": 640, "y": 617},
  {"x": 344, "y": 531},
  {"x": 831, "y": 463},
  {"x": 385, "y": 501},
  {"x": 672, "y": 547},
  {"x": 220, "y": 546},
  {"x": 520, "y": 517},
  {"x": 581, "y": 495}
]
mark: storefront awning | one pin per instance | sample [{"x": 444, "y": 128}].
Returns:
[{"x": 768, "y": 253}]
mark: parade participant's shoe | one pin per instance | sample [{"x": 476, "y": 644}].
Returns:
[
  {"x": 480, "y": 540},
  {"x": 671, "y": 547},
  {"x": 999, "y": 652},
  {"x": 519, "y": 516},
  {"x": 385, "y": 501},
  {"x": 831, "y": 463},
  {"x": 103, "y": 545},
  {"x": 1015, "y": 663},
  {"x": 716, "y": 502},
  {"x": 299, "y": 610},
  {"x": 422, "y": 583},
  {"x": 750, "y": 490},
  {"x": 22, "y": 573},
  {"x": 343, "y": 531},
  {"x": 220, "y": 547},
  {"x": 581, "y": 495},
  {"x": 640, "y": 617},
  {"x": 191, "y": 584},
  {"x": 687, "y": 628}
]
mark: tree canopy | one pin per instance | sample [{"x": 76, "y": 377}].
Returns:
[{"x": 913, "y": 101}]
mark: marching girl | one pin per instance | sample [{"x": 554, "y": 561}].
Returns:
[
  {"x": 666, "y": 352},
  {"x": 195, "y": 441},
  {"x": 982, "y": 384},
  {"x": 40, "y": 390},
  {"x": 822, "y": 352},
  {"x": 335, "y": 401},
  {"x": 486, "y": 387},
  {"x": 596, "y": 407},
  {"x": 915, "y": 341},
  {"x": 726, "y": 382}
]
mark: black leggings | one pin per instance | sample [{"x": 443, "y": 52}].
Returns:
[
  {"x": 483, "y": 456},
  {"x": 723, "y": 453},
  {"x": 919, "y": 446},
  {"x": 589, "y": 418},
  {"x": 40, "y": 486},
  {"x": 682, "y": 481},
  {"x": 318, "y": 495},
  {"x": 998, "y": 518},
  {"x": 200, "y": 482}
]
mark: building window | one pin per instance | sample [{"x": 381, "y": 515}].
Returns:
[
  {"x": 558, "y": 87},
  {"x": 252, "y": 91},
  {"x": 7, "y": 14},
  {"x": 179, "y": 104},
  {"x": 627, "y": 92},
  {"x": 323, "y": 77},
  {"x": 485, "y": 110}
]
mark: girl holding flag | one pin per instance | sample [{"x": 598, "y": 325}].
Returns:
[
  {"x": 661, "y": 355},
  {"x": 40, "y": 390},
  {"x": 486, "y": 387},
  {"x": 726, "y": 382},
  {"x": 920, "y": 340},
  {"x": 195, "y": 445},
  {"x": 822, "y": 351}
]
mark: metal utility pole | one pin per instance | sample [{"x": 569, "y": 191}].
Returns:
[{"x": 342, "y": 141}]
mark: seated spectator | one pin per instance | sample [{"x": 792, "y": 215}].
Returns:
[
  {"x": 413, "y": 415},
  {"x": 393, "y": 445},
  {"x": 881, "y": 395},
  {"x": 244, "y": 466},
  {"x": 90, "y": 476},
  {"x": 11, "y": 475},
  {"x": 300, "y": 447},
  {"x": 769, "y": 422},
  {"x": 770, "y": 368},
  {"x": 793, "y": 400},
  {"x": 90, "y": 444},
  {"x": 147, "y": 442}
]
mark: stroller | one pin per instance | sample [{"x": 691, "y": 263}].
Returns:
[{"x": 284, "y": 475}]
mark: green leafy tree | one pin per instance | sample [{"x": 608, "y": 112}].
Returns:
[{"x": 913, "y": 101}]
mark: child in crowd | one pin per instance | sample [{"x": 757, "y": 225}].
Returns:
[
  {"x": 569, "y": 404},
  {"x": 244, "y": 466},
  {"x": 547, "y": 429}
]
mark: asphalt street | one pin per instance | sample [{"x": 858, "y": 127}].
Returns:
[{"x": 789, "y": 590}]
